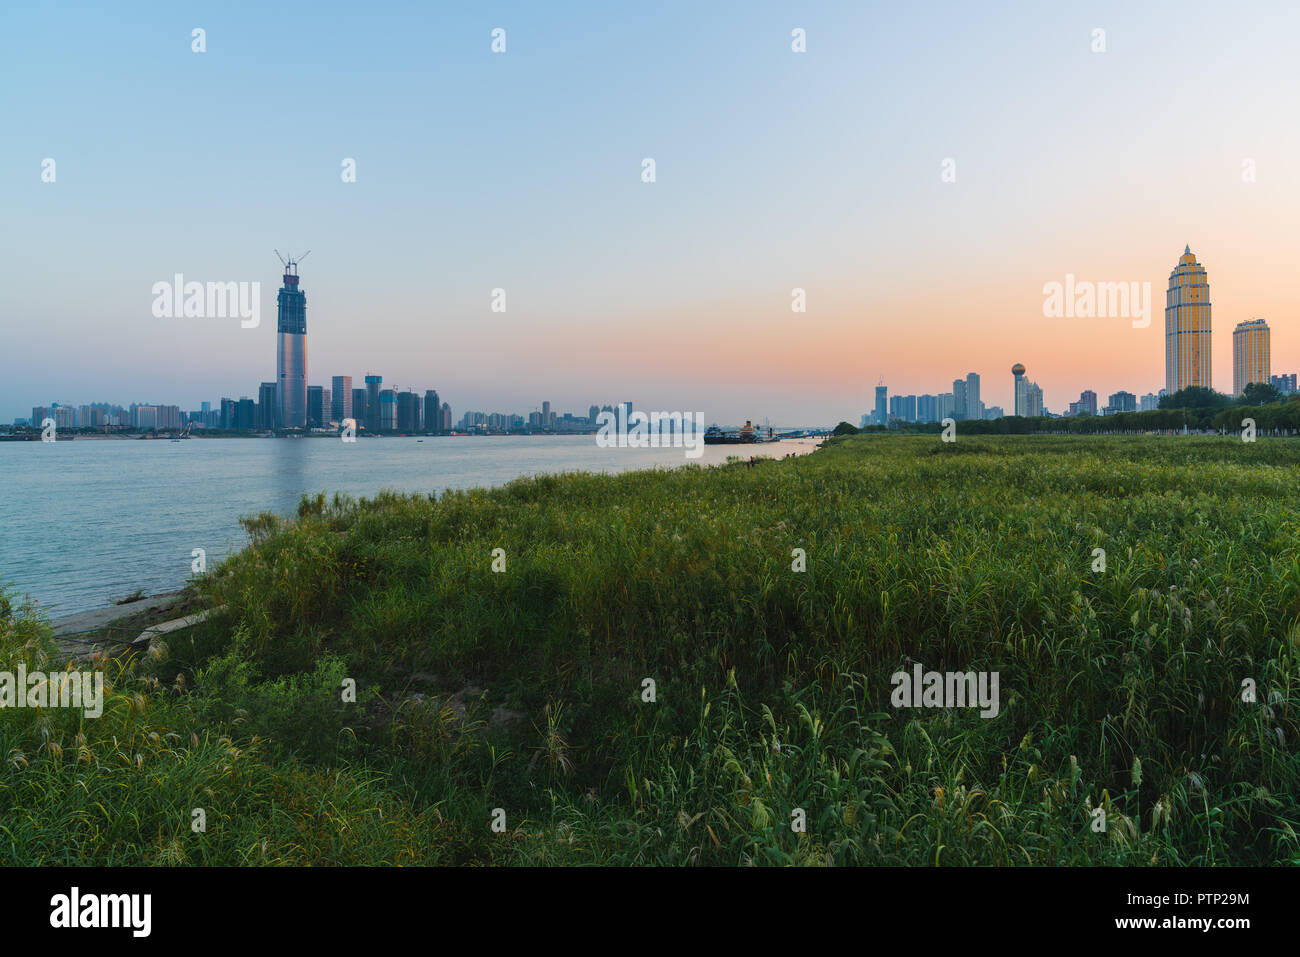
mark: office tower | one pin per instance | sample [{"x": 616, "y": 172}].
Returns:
[
  {"x": 959, "y": 406},
  {"x": 882, "y": 393},
  {"x": 406, "y": 411},
  {"x": 1187, "y": 326},
  {"x": 1020, "y": 389},
  {"x": 315, "y": 406},
  {"x": 227, "y": 419},
  {"x": 974, "y": 406},
  {"x": 546, "y": 415},
  {"x": 388, "y": 410},
  {"x": 373, "y": 382},
  {"x": 291, "y": 352},
  {"x": 1250, "y": 342},
  {"x": 341, "y": 407},
  {"x": 267, "y": 406},
  {"x": 446, "y": 417}
]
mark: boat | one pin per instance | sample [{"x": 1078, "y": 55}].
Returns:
[{"x": 742, "y": 436}]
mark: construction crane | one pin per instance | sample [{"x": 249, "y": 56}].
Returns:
[{"x": 291, "y": 262}]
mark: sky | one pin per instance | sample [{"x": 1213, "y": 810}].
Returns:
[{"x": 523, "y": 170}]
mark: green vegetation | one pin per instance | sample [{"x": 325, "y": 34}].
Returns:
[{"x": 1120, "y": 689}]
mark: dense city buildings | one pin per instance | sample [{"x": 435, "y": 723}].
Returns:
[
  {"x": 1187, "y": 326},
  {"x": 289, "y": 403},
  {"x": 1249, "y": 354}
]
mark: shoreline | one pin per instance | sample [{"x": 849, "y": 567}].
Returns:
[{"x": 99, "y": 617}]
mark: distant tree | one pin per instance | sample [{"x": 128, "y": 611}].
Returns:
[
  {"x": 1259, "y": 393},
  {"x": 1195, "y": 397},
  {"x": 845, "y": 429}
]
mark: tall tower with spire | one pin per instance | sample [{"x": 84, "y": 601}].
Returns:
[
  {"x": 291, "y": 350},
  {"x": 1187, "y": 326}
]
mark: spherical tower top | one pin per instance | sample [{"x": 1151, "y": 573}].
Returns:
[{"x": 1017, "y": 369}]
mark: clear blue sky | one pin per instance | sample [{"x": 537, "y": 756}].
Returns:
[{"x": 522, "y": 171}]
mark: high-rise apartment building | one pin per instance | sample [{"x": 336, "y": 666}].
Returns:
[
  {"x": 959, "y": 399},
  {"x": 1249, "y": 354},
  {"x": 341, "y": 406},
  {"x": 1033, "y": 400},
  {"x": 291, "y": 352},
  {"x": 388, "y": 410},
  {"x": 359, "y": 408},
  {"x": 1122, "y": 402},
  {"x": 1187, "y": 326},
  {"x": 974, "y": 406},
  {"x": 432, "y": 411},
  {"x": 882, "y": 400},
  {"x": 1285, "y": 383}
]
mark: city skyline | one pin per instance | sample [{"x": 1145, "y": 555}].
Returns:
[{"x": 769, "y": 179}]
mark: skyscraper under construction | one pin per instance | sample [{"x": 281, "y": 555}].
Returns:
[{"x": 291, "y": 350}]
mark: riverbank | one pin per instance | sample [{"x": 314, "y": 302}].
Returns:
[
  {"x": 698, "y": 666},
  {"x": 105, "y": 519}
]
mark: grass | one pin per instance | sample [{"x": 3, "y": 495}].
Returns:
[{"x": 525, "y": 690}]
